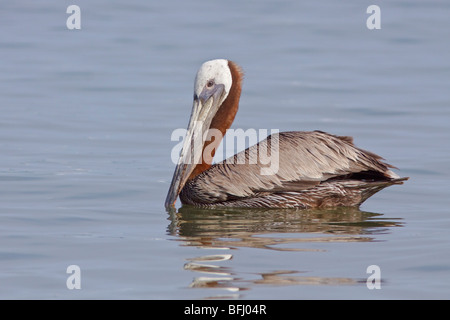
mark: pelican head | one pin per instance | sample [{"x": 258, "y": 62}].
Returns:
[{"x": 212, "y": 86}]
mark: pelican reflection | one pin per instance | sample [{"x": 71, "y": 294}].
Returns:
[{"x": 292, "y": 230}]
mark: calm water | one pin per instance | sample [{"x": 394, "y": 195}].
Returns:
[{"x": 85, "y": 126}]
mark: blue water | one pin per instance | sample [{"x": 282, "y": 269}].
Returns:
[{"x": 85, "y": 126}]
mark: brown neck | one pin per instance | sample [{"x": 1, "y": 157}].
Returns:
[{"x": 222, "y": 120}]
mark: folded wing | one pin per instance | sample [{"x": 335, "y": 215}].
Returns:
[{"x": 294, "y": 161}]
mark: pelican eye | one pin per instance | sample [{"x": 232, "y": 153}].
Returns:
[{"x": 210, "y": 84}]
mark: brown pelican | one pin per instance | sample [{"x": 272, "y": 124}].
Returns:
[{"x": 314, "y": 169}]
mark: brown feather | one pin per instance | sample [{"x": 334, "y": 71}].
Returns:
[{"x": 308, "y": 162}]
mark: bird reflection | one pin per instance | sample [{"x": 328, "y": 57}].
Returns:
[{"x": 273, "y": 229}]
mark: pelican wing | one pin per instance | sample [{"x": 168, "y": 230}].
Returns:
[{"x": 286, "y": 162}]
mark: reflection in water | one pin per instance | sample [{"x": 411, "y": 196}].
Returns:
[{"x": 274, "y": 229}]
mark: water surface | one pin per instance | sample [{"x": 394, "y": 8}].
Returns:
[{"x": 85, "y": 126}]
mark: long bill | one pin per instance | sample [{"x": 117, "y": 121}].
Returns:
[{"x": 203, "y": 111}]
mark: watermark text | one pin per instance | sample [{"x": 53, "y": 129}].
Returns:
[{"x": 204, "y": 149}]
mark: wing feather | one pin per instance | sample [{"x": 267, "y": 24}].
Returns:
[{"x": 304, "y": 160}]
